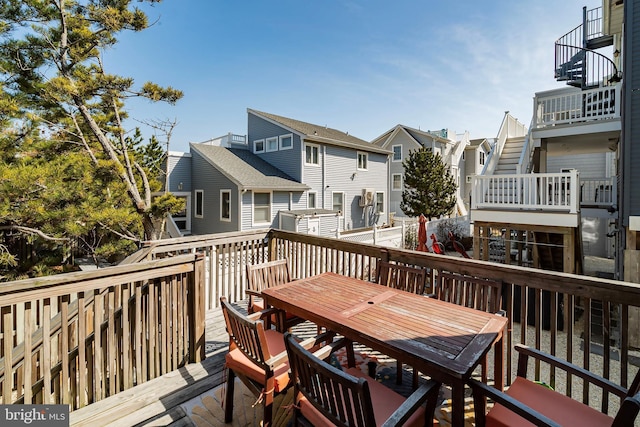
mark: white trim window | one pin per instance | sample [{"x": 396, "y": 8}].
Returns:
[
  {"x": 363, "y": 160},
  {"x": 199, "y": 211},
  {"x": 396, "y": 182},
  {"x": 312, "y": 200},
  {"x": 312, "y": 154},
  {"x": 482, "y": 157},
  {"x": 261, "y": 208},
  {"x": 337, "y": 201},
  {"x": 397, "y": 153},
  {"x": 286, "y": 142},
  {"x": 379, "y": 202},
  {"x": 271, "y": 144},
  {"x": 258, "y": 146},
  {"x": 225, "y": 205}
]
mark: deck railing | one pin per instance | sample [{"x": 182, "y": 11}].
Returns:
[
  {"x": 589, "y": 321},
  {"x": 546, "y": 191},
  {"x": 571, "y": 105},
  {"x": 77, "y": 338}
]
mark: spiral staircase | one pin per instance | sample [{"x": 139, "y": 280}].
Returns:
[{"x": 576, "y": 59}]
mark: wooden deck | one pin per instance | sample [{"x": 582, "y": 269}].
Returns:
[{"x": 196, "y": 387}]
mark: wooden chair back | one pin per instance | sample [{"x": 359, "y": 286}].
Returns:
[
  {"x": 403, "y": 277},
  {"x": 246, "y": 335},
  {"x": 342, "y": 399},
  {"x": 267, "y": 274},
  {"x": 469, "y": 291}
]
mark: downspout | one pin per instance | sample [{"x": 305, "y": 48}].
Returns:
[
  {"x": 244, "y": 190},
  {"x": 324, "y": 173}
]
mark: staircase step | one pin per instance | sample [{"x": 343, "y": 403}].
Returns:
[{"x": 598, "y": 42}]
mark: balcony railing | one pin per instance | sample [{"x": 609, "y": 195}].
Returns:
[
  {"x": 574, "y": 106},
  {"x": 543, "y": 191},
  {"x": 582, "y": 319}
]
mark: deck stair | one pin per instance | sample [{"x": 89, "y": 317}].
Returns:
[{"x": 504, "y": 190}]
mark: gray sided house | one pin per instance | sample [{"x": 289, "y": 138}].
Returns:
[
  {"x": 473, "y": 161},
  {"x": 235, "y": 190},
  {"x": 401, "y": 140},
  {"x": 346, "y": 177}
]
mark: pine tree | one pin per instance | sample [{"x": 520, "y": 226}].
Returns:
[
  {"x": 51, "y": 62},
  {"x": 429, "y": 188},
  {"x": 68, "y": 170}
]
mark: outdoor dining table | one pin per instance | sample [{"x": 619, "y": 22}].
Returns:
[{"x": 442, "y": 340}]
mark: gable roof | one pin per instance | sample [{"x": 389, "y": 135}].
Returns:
[
  {"x": 475, "y": 143},
  {"x": 415, "y": 134},
  {"x": 246, "y": 169},
  {"x": 320, "y": 134}
]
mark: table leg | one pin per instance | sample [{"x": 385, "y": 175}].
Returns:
[
  {"x": 457, "y": 404},
  {"x": 498, "y": 373}
]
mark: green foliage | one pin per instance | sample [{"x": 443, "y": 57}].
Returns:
[
  {"x": 429, "y": 188},
  {"x": 69, "y": 173}
]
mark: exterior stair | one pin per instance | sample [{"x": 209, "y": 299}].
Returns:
[{"x": 510, "y": 156}]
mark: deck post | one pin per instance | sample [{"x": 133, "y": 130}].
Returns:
[{"x": 196, "y": 309}]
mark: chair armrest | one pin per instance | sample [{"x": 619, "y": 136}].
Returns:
[
  {"x": 413, "y": 402},
  {"x": 310, "y": 343},
  {"x": 481, "y": 390},
  {"x": 253, "y": 292},
  {"x": 430, "y": 295},
  {"x": 258, "y": 315},
  {"x": 276, "y": 360},
  {"x": 588, "y": 376},
  {"x": 326, "y": 350},
  {"x": 628, "y": 411}
]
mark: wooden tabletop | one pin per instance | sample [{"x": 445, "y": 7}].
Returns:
[{"x": 444, "y": 340}]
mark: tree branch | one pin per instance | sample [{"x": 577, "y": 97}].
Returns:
[{"x": 30, "y": 230}]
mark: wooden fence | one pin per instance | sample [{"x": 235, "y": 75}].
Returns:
[{"x": 77, "y": 338}]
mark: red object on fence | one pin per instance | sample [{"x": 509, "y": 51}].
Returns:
[
  {"x": 422, "y": 234},
  {"x": 458, "y": 246},
  {"x": 436, "y": 246}
]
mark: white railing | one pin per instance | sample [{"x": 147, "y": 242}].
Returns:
[
  {"x": 571, "y": 105},
  {"x": 546, "y": 191},
  {"x": 598, "y": 191},
  {"x": 526, "y": 153}
]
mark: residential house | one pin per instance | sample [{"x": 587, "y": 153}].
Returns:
[
  {"x": 473, "y": 160},
  {"x": 401, "y": 140},
  {"x": 284, "y": 174},
  {"x": 569, "y": 185}
]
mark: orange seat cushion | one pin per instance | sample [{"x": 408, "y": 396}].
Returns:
[
  {"x": 560, "y": 408},
  {"x": 385, "y": 402},
  {"x": 241, "y": 364}
]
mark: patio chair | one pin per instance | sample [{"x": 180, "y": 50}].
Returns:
[
  {"x": 256, "y": 356},
  {"x": 403, "y": 277},
  {"x": 266, "y": 275},
  {"x": 473, "y": 292},
  {"x": 406, "y": 278},
  {"x": 327, "y": 396},
  {"x": 528, "y": 403}
]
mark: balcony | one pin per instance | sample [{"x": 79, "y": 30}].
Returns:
[
  {"x": 570, "y": 112},
  {"x": 158, "y": 317}
]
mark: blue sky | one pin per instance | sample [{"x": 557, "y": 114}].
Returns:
[{"x": 354, "y": 65}]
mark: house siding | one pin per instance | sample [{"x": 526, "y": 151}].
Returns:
[
  {"x": 279, "y": 202},
  {"x": 341, "y": 164},
  {"x": 408, "y": 144},
  {"x": 288, "y": 161},
  {"x": 630, "y": 157},
  {"x": 592, "y": 165},
  {"x": 207, "y": 178},
  {"x": 179, "y": 172}
]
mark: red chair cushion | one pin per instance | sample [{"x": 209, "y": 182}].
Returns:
[
  {"x": 560, "y": 408},
  {"x": 385, "y": 402},
  {"x": 241, "y": 364}
]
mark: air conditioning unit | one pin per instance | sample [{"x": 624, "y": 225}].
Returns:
[{"x": 366, "y": 199}]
